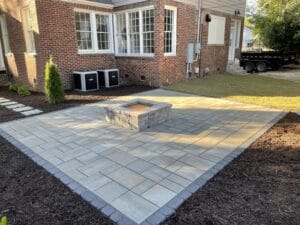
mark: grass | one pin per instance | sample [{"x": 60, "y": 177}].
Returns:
[{"x": 252, "y": 89}]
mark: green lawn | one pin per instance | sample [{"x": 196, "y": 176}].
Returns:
[{"x": 251, "y": 89}]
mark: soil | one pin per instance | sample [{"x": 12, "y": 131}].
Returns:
[
  {"x": 37, "y": 100},
  {"x": 259, "y": 187}
]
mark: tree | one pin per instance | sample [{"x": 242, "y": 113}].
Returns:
[
  {"x": 54, "y": 89},
  {"x": 277, "y": 24}
]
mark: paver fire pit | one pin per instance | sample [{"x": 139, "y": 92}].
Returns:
[{"x": 138, "y": 114}]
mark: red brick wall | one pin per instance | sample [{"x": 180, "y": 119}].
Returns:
[{"x": 58, "y": 38}]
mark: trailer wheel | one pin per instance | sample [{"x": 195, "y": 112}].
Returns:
[
  {"x": 249, "y": 67},
  {"x": 261, "y": 67}
]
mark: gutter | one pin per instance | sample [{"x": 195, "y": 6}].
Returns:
[{"x": 89, "y": 3}]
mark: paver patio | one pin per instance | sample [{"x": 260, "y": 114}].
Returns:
[{"x": 140, "y": 177}]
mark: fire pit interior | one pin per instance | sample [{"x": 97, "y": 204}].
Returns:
[
  {"x": 138, "y": 114},
  {"x": 139, "y": 107}
]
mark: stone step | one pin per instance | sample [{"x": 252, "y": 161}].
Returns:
[
  {"x": 32, "y": 112},
  {"x": 22, "y": 109}
]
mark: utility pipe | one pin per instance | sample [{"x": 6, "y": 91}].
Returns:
[{"x": 198, "y": 38}]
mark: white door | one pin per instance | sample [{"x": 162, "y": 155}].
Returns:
[
  {"x": 2, "y": 64},
  {"x": 232, "y": 41}
]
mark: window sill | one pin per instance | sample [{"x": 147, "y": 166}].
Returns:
[
  {"x": 215, "y": 45},
  {"x": 170, "y": 54},
  {"x": 30, "y": 53},
  {"x": 94, "y": 53},
  {"x": 135, "y": 56}
]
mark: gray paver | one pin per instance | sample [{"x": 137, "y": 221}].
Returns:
[
  {"x": 134, "y": 206},
  {"x": 144, "y": 186},
  {"x": 171, "y": 185},
  {"x": 159, "y": 195},
  {"x": 22, "y": 109},
  {"x": 127, "y": 178},
  {"x": 8, "y": 103},
  {"x": 32, "y": 112},
  {"x": 95, "y": 181},
  {"x": 111, "y": 191},
  {"x": 139, "y": 165},
  {"x": 122, "y": 158},
  {"x": 14, "y": 106}
]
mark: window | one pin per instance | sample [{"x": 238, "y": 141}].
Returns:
[
  {"x": 5, "y": 37},
  {"x": 216, "y": 30},
  {"x": 102, "y": 24},
  {"x": 27, "y": 19},
  {"x": 93, "y": 32},
  {"x": 84, "y": 31},
  {"x": 121, "y": 34},
  {"x": 148, "y": 31},
  {"x": 135, "y": 32},
  {"x": 170, "y": 24}
]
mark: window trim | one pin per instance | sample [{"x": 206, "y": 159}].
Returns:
[
  {"x": 30, "y": 49},
  {"x": 141, "y": 24},
  {"x": 174, "y": 32},
  {"x": 238, "y": 25},
  {"x": 5, "y": 35},
  {"x": 94, "y": 39}
]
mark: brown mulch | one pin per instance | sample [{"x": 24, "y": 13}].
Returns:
[
  {"x": 37, "y": 100},
  {"x": 259, "y": 187},
  {"x": 262, "y": 186}
]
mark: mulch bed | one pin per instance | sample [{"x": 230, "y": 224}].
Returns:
[
  {"x": 37, "y": 100},
  {"x": 259, "y": 187}
]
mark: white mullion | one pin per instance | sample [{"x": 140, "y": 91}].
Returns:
[
  {"x": 174, "y": 35},
  {"x": 128, "y": 34},
  {"x": 94, "y": 32},
  {"x": 115, "y": 34},
  {"x": 110, "y": 34},
  {"x": 141, "y": 32}
]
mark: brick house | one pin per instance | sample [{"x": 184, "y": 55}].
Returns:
[{"x": 146, "y": 40}]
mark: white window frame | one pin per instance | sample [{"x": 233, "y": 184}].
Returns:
[
  {"x": 29, "y": 39},
  {"x": 174, "y": 32},
  {"x": 5, "y": 36},
  {"x": 238, "y": 33},
  {"x": 214, "y": 40},
  {"x": 95, "y": 49},
  {"x": 141, "y": 25}
]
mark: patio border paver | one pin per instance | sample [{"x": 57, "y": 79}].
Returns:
[{"x": 162, "y": 213}]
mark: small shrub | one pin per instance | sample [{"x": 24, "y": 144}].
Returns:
[
  {"x": 20, "y": 89},
  {"x": 13, "y": 87},
  {"x": 3, "y": 221},
  {"x": 23, "y": 90},
  {"x": 54, "y": 89}
]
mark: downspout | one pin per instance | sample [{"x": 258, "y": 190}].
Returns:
[
  {"x": 194, "y": 48},
  {"x": 198, "y": 39}
]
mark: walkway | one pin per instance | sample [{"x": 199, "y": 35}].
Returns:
[
  {"x": 19, "y": 108},
  {"x": 140, "y": 178}
]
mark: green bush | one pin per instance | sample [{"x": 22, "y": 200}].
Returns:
[
  {"x": 23, "y": 90},
  {"x": 20, "y": 89},
  {"x": 54, "y": 89},
  {"x": 3, "y": 221},
  {"x": 13, "y": 87}
]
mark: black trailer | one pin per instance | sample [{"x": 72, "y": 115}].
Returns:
[{"x": 262, "y": 61}]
